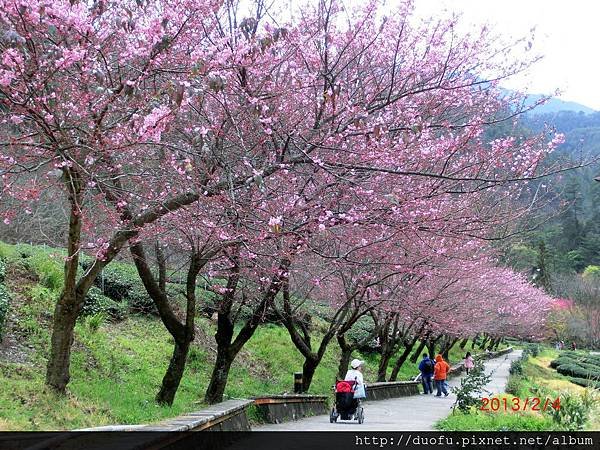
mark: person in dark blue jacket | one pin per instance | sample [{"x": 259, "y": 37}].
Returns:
[{"x": 426, "y": 368}]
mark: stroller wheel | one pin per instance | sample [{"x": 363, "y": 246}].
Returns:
[
  {"x": 333, "y": 416},
  {"x": 360, "y": 415}
]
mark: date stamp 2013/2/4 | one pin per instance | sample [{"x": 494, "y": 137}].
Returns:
[{"x": 519, "y": 404}]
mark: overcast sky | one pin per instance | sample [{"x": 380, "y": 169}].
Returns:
[{"x": 567, "y": 34}]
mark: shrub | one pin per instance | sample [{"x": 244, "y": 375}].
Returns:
[
  {"x": 573, "y": 411},
  {"x": 578, "y": 371},
  {"x": 532, "y": 350},
  {"x": 562, "y": 360},
  {"x": 7, "y": 251},
  {"x": 49, "y": 269},
  {"x": 97, "y": 303},
  {"x": 2, "y": 270},
  {"x": 585, "y": 382},
  {"x": 514, "y": 385},
  {"x": 139, "y": 300},
  {"x": 516, "y": 367},
  {"x": 43, "y": 300},
  {"x": 24, "y": 251},
  {"x": 94, "y": 321},
  {"x": 362, "y": 333},
  {"x": 471, "y": 386},
  {"x": 4, "y": 303},
  {"x": 591, "y": 273},
  {"x": 121, "y": 283},
  {"x": 117, "y": 280}
]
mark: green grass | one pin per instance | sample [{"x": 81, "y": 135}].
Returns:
[
  {"x": 117, "y": 370},
  {"x": 495, "y": 421}
]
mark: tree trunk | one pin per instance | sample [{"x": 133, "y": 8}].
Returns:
[
  {"x": 312, "y": 361},
  {"x": 492, "y": 344},
  {"x": 463, "y": 343},
  {"x": 71, "y": 299},
  {"x": 384, "y": 362},
  {"x": 474, "y": 343},
  {"x": 415, "y": 356},
  {"x": 498, "y": 343},
  {"x": 448, "y": 347},
  {"x": 300, "y": 335},
  {"x": 431, "y": 348},
  {"x": 63, "y": 332},
  {"x": 483, "y": 342},
  {"x": 228, "y": 347},
  {"x": 225, "y": 355},
  {"x": 219, "y": 376},
  {"x": 172, "y": 378},
  {"x": 344, "y": 358},
  {"x": 401, "y": 360},
  {"x": 308, "y": 372}
]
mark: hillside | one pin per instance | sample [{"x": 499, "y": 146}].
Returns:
[
  {"x": 118, "y": 363},
  {"x": 555, "y": 105}
]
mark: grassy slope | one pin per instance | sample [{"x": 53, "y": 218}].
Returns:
[
  {"x": 538, "y": 377},
  {"x": 116, "y": 369}
]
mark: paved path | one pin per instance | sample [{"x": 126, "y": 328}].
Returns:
[{"x": 414, "y": 413}]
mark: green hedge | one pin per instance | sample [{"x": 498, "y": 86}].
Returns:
[
  {"x": 571, "y": 356},
  {"x": 4, "y": 302},
  {"x": 96, "y": 302},
  {"x": 4, "y": 298},
  {"x": 121, "y": 283},
  {"x": 579, "y": 366},
  {"x": 578, "y": 371},
  {"x": 2, "y": 270},
  {"x": 585, "y": 382}
]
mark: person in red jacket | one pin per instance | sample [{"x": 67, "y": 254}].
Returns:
[{"x": 440, "y": 373}]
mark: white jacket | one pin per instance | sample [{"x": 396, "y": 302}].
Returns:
[{"x": 353, "y": 374}]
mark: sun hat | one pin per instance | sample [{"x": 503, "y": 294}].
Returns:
[{"x": 356, "y": 363}]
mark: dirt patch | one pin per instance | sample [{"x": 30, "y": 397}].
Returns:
[
  {"x": 13, "y": 351},
  {"x": 14, "y": 347},
  {"x": 19, "y": 279}
]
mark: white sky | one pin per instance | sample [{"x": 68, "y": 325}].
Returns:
[{"x": 567, "y": 34}]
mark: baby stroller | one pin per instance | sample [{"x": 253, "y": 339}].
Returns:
[{"x": 346, "y": 407}]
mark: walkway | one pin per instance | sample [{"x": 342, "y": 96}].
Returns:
[{"x": 415, "y": 413}]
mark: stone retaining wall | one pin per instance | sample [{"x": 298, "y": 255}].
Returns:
[
  {"x": 283, "y": 408},
  {"x": 229, "y": 415},
  {"x": 391, "y": 389}
]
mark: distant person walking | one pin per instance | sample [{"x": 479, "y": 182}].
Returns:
[
  {"x": 426, "y": 367},
  {"x": 469, "y": 362},
  {"x": 573, "y": 346},
  {"x": 440, "y": 373}
]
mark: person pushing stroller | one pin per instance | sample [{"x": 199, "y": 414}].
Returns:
[
  {"x": 355, "y": 373},
  {"x": 348, "y": 394}
]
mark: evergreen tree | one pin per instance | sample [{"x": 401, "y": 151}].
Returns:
[{"x": 542, "y": 275}]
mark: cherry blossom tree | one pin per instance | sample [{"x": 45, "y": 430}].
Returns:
[{"x": 341, "y": 119}]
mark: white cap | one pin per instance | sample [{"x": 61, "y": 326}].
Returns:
[{"x": 356, "y": 363}]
